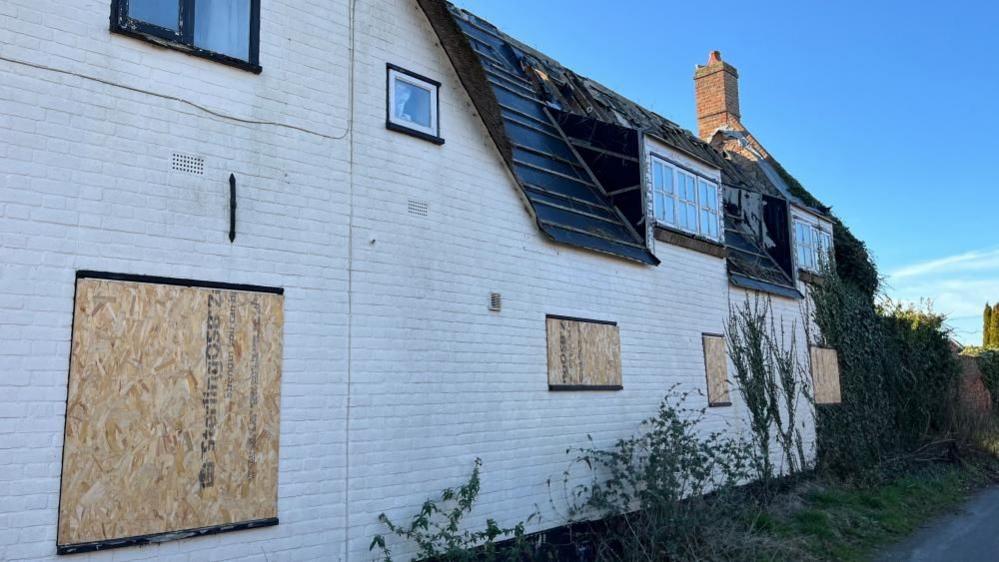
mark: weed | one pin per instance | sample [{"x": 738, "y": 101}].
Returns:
[{"x": 438, "y": 533}]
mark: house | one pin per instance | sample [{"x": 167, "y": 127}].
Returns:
[{"x": 307, "y": 261}]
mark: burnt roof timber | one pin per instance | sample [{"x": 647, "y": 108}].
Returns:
[
  {"x": 554, "y": 173},
  {"x": 625, "y": 190},
  {"x": 595, "y": 181},
  {"x": 579, "y": 143}
]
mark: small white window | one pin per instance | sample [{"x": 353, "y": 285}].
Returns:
[
  {"x": 813, "y": 242},
  {"x": 684, "y": 201},
  {"x": 413, "y": 104}
]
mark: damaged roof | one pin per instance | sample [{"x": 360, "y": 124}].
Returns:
[
  {"x": 575, "y": 148},
  {"x": 737, "y": 142}
]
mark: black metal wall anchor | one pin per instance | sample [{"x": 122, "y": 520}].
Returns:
[{"x": 232, "y": 208}]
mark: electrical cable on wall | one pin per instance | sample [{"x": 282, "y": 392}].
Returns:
[{"x": 209, "y": 111}]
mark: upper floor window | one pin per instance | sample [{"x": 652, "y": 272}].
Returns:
[
  {"x": 813, "y": 242},
  {"x": 413, "y": 104},
  {"x": 685, "y": 201},
  {"x": 227, "y": 31}
]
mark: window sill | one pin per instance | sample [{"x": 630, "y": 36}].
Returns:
[
  {"x": 810, "y": 277},
  {"x": 690, "y": 242},
  {"x": 413, "y": 133},
  {"x": 583, "y": 388},
  {"x": 720, "y": 405},
  {"x": 188, "y": 50}
]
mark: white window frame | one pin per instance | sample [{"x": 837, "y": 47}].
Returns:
[
  {"x": 704, "y": 207},
  {"x": 684, "y": 204},
  {"x": 808, "y": 254},
  {"x": 431, "y": 133},
  {"x": 669, "y": 197},
  {"x": 673, "y": 199}
]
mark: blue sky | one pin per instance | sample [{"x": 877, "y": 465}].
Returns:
[{"x": 886, "y": 110}]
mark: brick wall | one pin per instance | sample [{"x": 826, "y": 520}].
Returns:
[
  {"x": 716, "y": 88},
  {"x": 389, "y": 344}
]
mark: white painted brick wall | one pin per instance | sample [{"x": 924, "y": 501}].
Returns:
[{"x": 436, "y": 380}]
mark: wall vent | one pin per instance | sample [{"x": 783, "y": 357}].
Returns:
[
  {"x": 419, "y": 208},
  {"x": 188, "y": 164},
  {"x": 495, "y": 302}
]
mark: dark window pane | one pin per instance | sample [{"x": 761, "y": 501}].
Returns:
[
  {"x": 162, "y": 13},
  {"x": 223, "y": 26}
]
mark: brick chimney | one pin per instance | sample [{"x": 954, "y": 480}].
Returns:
[{"x": 717, "y": 89}]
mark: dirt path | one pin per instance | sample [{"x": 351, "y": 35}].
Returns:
[{"x": 970, "y": 535}]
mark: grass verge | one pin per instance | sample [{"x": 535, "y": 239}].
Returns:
[{"x": 829, "y": 520}]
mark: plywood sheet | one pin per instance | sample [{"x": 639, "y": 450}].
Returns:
[
  {"x": 716, "y": 369},
  {"x": 173, "y": 410},
  {"x": 825, "y": 375},
  {"x": 583, "y": 354}
]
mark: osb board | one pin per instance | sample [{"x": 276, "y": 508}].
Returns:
[
  {"x": 173, "y": 410},
  {"x": 716, "y": 369},
  {"x": 583, "y": 354},
  {"x": 825, "y": 375}
]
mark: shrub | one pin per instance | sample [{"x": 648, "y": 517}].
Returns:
[
  {"x": 925, "y": 374},
  {"x": 664, "y": 492}
]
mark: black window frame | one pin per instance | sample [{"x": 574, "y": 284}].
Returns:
[
  {"x": 401, "y": 128},
  {"x": 183, "y": 40}
]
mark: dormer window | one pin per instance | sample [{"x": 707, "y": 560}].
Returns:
[
  {"x": 684, "y": 201},
  {"x": 813, "y": 241}
]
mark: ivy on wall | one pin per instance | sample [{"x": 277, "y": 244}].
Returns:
[
  {"x": 853, "y": 260},
  {"x": 899, "y": 376}
]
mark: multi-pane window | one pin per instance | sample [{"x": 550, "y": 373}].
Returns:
[
  {"x": 225, "y": 30},
  {"x": 413, "y": 104},
  {"x": 663, "y": 192},
  {"x": 685, "y": 201},
  {"x": 814, "y": 245}
]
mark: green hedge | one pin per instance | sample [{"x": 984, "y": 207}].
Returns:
[{"x": 898, "y": 377}]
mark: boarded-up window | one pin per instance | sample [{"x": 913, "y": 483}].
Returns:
[
  {"x": 825, "y": 375},
  {"x": 172, "y": 414},
  {"x": 583, "y": 354},
  {"x": 716, "y": 367}
]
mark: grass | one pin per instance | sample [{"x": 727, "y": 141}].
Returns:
[{"x": 827, "y": 520}]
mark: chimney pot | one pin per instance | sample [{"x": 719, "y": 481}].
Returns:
[{"x": 714, "y": 57}]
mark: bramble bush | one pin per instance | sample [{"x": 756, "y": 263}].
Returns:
[{"x": 664, "y": 493}]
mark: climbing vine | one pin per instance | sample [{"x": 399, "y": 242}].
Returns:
[{"x": 772, "y": 381}]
